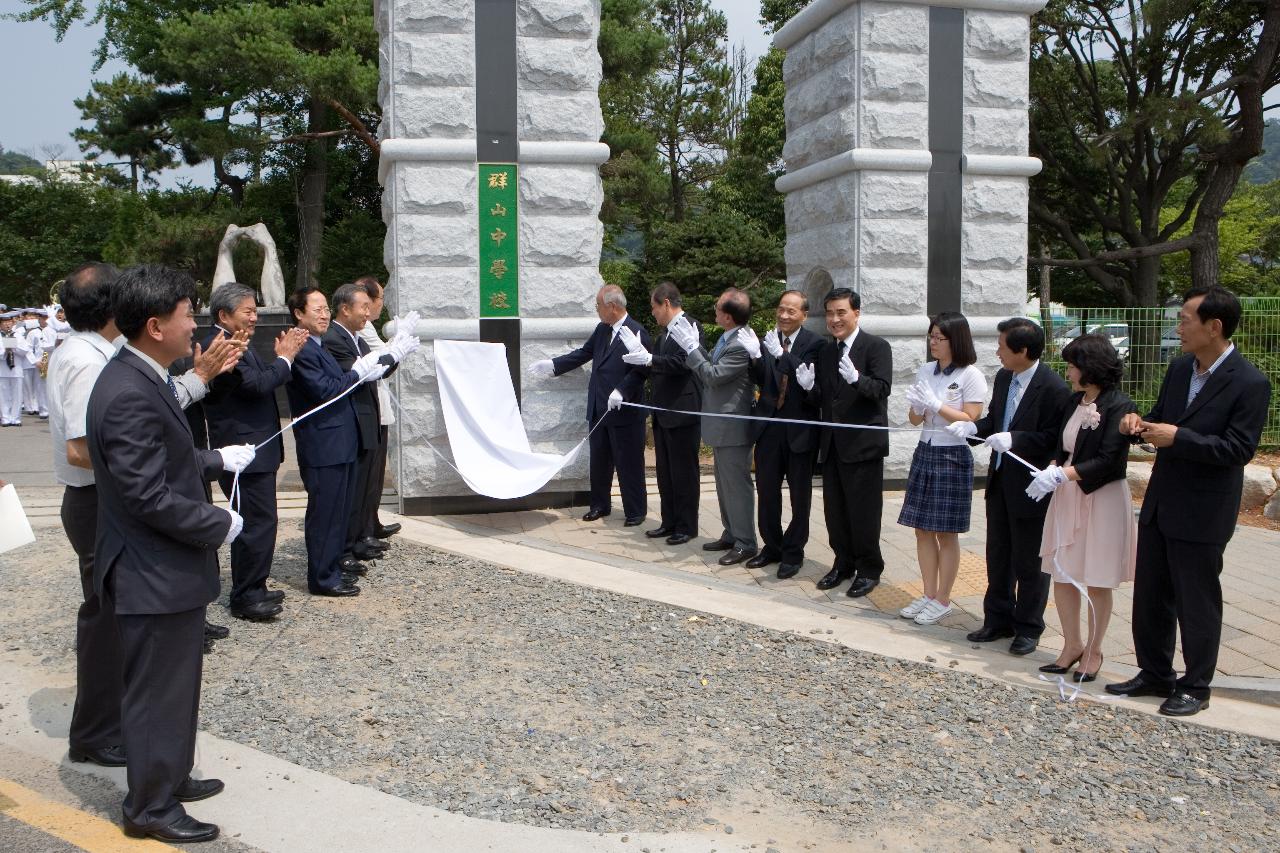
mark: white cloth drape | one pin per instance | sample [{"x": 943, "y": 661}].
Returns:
[{"x": 490, "y": 447}]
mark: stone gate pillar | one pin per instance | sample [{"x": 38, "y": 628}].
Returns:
[
  {"x": 506, "y": 90},
  {"x": 907, "y": 168}
]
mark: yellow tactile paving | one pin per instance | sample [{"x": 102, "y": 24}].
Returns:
[{"x": 86, "y": 831}]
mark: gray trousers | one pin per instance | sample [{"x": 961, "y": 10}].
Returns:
[{"x": 737, "y": 495}]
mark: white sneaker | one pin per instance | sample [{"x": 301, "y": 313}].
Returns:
[
  {"x": 914, "y": 608},
  {"x": 932, "y": 612}
]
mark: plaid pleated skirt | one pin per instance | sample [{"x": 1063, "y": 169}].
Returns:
[{"x": 939, "y": 489}]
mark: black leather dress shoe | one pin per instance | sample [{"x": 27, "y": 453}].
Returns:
[
  {"x": 678, "y": 538},
  {"x": 1023, "y": 645},
  {"x": 759, "y": 561},
  {"x": 258, "y": 611},
  {"x": 208, "y": 645},
  {"x": 633, "y": 522},
  {"x": 734, "y": 557},
  {"x": 832, "y": 579},
  {"x": 192, "y": 790},
  {"x": 359, "y": 552},
  {"x": 861, "y": 586},
  {"x": 184, "y": 830},
  {"x": 216, "y": 632},
  {"x": 352, "y": 566},
  {"x": 987, "y": 635},
  {"x": 1182, "y": 704},
  {"x": 659, "y": 532},
  {"x": 1139, "y": 686},
  {"x": 275, "y": 596},
  {"x": 348, "y": 578},
  {"x": 107, "y": 756},
  {"x": 373, "y": 544},
  {"x": 341, "y": 591},
  {"x": 386, "y": 531},
  {"x": 595, "y": 515},
  {"x": 717, "y": 545},
  {"x": 788, "y": 570}
]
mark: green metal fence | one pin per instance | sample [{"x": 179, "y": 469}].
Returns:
[{"x": 1147, "y": 339}]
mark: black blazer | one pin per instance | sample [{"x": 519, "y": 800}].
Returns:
[
  {"x": 1194, "y": 493},
  {"x": 1102, "y": 453},
  {"x": 158, "y": 535},
  {"x": 864, "y": 402},
  {"x": 609, "y": 371},
  {"x": 345, "y": 349},
  {"x": 1036, "y": 430},
  {"x": 671, "y": 382},
  {"x": 331, "y": 435},
  {"x": 241, "y": 407},
  {"x": 768, "y": 373}
]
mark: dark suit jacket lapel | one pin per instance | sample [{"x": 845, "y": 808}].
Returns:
[
  {"x": 1218, "y": 380},
  {"x": 162, "y": 388},
  {"x": 1028, "y": 396}
]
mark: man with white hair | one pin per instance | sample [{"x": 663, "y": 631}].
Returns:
[{"x": 620, "y": 442}]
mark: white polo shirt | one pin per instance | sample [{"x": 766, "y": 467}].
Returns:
[
  {"x": 73, "y": 369},
  {"x": 954, "y": 387}
]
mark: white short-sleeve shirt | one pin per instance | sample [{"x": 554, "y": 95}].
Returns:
[
  {"x": 954, "y": 387},
  {"x": 73, "y": 369}
]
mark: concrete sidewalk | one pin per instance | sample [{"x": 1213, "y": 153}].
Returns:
[{"x": 1250, "y": 579}]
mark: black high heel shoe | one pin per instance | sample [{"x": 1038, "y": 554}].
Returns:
[
  {"x": 1054, "y": 669},
  {"x": 1085, "y": 677}
]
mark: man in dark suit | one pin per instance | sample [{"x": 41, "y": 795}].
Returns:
[
  {"x": 1206, "y": 425},
  {"x": 784, "y": 450},
  {"x": 619, "y": 443},
  {"x": 676, "y": 436},
  {"x": 155, "y": 548},
  {"x": 351, "y": 309},
  {"x": 1025, "y": 416},
  {"x": 327, "y": 442},
  {"x": 241, "y": 407},
  {"x": 850, "y": 383}
]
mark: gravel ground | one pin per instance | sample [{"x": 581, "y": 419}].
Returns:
[{"x": 517, "y": 698}]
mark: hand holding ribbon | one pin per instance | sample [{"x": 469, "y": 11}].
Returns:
[
  {"x": 236, "y": 457},
  {"x": 963, "y": 429},
  {"x": 615, "y": 400},
  {"x": 368, "y": 368},
  {"x": 237, "y": 524},
  {"x": 1046, "y": 482},
  {"x": 1001, "y": 442}
]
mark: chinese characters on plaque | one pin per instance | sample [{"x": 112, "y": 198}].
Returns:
[{"x": 499, "y": 245}]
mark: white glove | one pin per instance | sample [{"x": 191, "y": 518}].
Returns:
[
  {"x": 805, "y": 375},
  {"x": 402, "y": 345},
  {"x": 1046, "y": 482},
  {"x": 236, "y": 457},
  {"x": 237, "y": 524},
  {"x": 630, "y": 340},
  {"x": 772, "y": 344},
  {"x": 408, "y": 324},
  {"x": 848, "y": 372},
  {"x": 928, "y": 400},
  {"x": 963, "y": 429},
  {"x": 1001, "y": 442},
  {"x": 367, "y": 367},
  {"x": 750, "y": 343},
  {"x": 685, "y": 336},
  {"x": 917, "y": 405},
  {"x": 542, "y": 368},
  {"x": 644, "y": 358},
  {"x": 615, "y": 400}
]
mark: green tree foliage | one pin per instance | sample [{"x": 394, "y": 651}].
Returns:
[
  {"x": 126, "y": 123},
  {"x": 1129, "y": 99},
  {"x": 775, "y": 13},
  {"x": 46, "y": 230},
  {"x": 15, "y": 163},
  {"x": 1265, "y": 168},
  {"x": 1249, "y": 235}
]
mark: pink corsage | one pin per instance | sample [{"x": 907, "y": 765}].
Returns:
[{"x": 1092, "y": 417}]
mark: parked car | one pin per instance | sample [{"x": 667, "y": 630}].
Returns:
[{"x": 1117, "y": 333}]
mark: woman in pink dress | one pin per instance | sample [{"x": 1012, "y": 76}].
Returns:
[{"x": 1090, "y": 535}]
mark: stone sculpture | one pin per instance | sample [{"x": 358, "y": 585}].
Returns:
[{"x": 271, "y": 282}]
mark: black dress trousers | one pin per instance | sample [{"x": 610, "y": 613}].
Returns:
[
  {"x": 679, "y": 479},
  {"x": 1017, "y": 588},
  {"x": 254, "y": 549},
  {"x": 853, "y": 493},
  {"x": 776, "y": 461},
  {"x": 619, "y": 448}
]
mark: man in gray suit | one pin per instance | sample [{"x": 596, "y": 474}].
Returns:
[{"x": 727, "y": 388}]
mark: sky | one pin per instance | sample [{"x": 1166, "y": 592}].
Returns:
[{"x": 43, "y": 77}]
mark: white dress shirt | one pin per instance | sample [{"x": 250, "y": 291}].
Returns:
[{"x": 73, "y": 369}]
